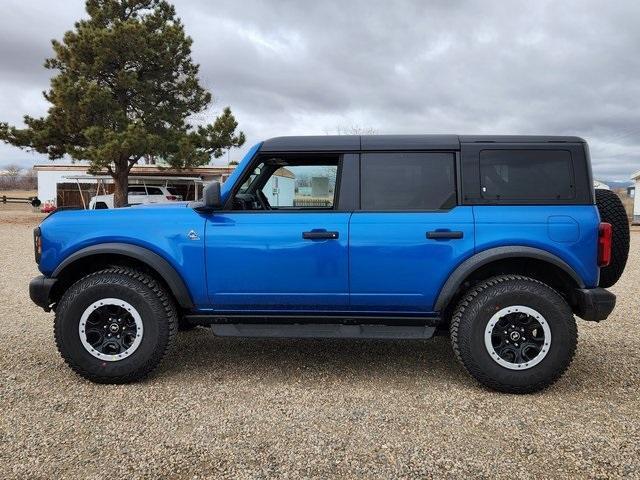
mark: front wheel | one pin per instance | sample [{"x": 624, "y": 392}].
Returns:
[
  {"x": 115, "y": 325},
  {"x": 514, "y": 334}
]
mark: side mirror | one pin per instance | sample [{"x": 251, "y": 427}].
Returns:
[{"x": 211, "y": 196}]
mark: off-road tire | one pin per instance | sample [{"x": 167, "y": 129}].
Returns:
[
  {"x": 147, "y": 296},
  {"x": 612, "y": 211},
  {"x": 471, "y": 317}
]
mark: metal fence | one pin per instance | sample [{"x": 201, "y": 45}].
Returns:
[{"x": 311, "y": 202}]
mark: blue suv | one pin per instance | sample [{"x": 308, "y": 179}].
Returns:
[{"x": 498, "y": 240}]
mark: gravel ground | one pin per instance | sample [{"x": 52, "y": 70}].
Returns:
[{"x": 234, "y": 408}]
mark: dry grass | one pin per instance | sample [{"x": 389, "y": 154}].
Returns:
[
  {"x": 18, "y": 193},
  {"x": 238, "y": 408}
]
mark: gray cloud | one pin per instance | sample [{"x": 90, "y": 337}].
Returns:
[{"x": 293, "y": 67}]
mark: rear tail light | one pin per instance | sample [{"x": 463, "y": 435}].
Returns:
[
  {"x": 605, "y": 234},
  {"x": 172, "y": 197}
]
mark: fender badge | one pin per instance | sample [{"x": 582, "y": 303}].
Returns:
[{"x": 192, "y": 235}]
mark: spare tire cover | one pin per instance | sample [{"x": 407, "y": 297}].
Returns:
[{"x": 612, "y": 211}]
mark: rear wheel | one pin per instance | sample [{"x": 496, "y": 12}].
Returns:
[
  {"x": 514, "y": 334},
  {"x": 612, "y": 211},
  {"x": 115, "y": 325}
]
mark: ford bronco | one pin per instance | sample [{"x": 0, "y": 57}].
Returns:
[{"x": 498, "y": 240}]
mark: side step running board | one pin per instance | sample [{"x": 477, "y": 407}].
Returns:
[{"x": 323, "y": 331}]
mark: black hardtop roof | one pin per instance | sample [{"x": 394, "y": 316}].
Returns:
[{"x": 331, "y": 143}]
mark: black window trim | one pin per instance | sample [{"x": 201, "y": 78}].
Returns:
[{"x": 457, "y": 181}]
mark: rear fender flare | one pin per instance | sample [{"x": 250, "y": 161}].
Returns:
[{"x": 485, "y": 257}]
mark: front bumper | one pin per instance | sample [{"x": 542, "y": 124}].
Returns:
[
  {"x": 594, "y": 304},
  {"x": 40, "y": 290}
]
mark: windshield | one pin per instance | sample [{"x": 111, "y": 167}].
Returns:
[
  {"x": 233, "y": 178},
  {"x": 256, "y": 172}
]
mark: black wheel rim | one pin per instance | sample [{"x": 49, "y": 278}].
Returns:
[
  {"x": 517, "y": 337},
  {"x": 110, "y": 329}
]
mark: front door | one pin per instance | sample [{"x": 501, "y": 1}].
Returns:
[
  {"x": 281, "y": 244},
  {"x": 409, "y": 234}
]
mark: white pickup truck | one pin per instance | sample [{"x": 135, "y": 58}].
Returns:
[{"x": 137, "y": 194}]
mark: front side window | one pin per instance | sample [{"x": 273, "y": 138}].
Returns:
[
  {"x": 290, "y": 183},
  {"x": 526, "y": 175},
  {"x": 302, "y": 186},
  {"x": 408, "y": 181}
]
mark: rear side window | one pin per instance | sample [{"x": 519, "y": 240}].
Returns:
[
  {"x": 408, "y": 181},
  {"x": 154, "y": 191},
  {"x": 526, "y": 175}
]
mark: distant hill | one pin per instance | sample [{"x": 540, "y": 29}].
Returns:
[{"x": 618, "y": 184}]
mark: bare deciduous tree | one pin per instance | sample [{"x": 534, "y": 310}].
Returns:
[
  {"x": 14, "y": 177},
  {"x": 12, "y": 170},
  {"x": 351, "y": 130}
]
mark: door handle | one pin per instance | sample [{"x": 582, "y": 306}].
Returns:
[
  {"x": 443, "y": 235},
  {"x": 319, "y": 235}
]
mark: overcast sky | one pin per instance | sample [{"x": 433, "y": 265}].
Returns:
[{"x": 303, "y": 67}]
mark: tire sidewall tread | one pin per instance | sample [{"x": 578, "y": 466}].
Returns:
[
  {"x": 155, "y": 306},
  {"x": 476, "y": 308},
  {"x": 612, "y": 211}
]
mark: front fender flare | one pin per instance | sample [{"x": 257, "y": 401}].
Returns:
[
  {"x": 498, "y": 253},
  {"x": 146, "y": 256}
]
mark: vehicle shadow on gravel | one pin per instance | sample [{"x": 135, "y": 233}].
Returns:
[{"x": 200, "y": 353}]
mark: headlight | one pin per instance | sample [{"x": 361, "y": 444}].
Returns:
[{"x": 37, "y": 244}]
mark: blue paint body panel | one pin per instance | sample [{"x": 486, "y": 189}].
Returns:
[
  {"x": 568, "y": 231},
  {"x": 260, "y": 261},
  {"x": 381, "y": 262},
  {"x": 161, "y": 229},
  {"x": 394, "y": 267}
]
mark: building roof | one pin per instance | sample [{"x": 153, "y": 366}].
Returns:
[
  {"x": 136, "y": 178},
  {"x": 636, "y": 175},
  {"x": 284, "y": 172},
  {"x": 142, "y": 170},
  {"x": 394, "y": 142}
]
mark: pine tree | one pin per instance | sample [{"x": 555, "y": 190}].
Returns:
[{"x": 125, "y": 88}]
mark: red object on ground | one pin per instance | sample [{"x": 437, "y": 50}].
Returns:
[{"x": 47, "y": 207}]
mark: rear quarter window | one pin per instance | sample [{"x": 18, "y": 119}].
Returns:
[
  {"x": 513, "y": 175},
  {"x": 405, "y": 181}
]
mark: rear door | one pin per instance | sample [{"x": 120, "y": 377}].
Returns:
[{"x": 409, "y": 233}]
